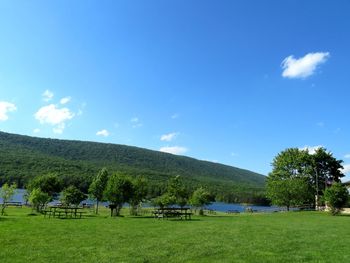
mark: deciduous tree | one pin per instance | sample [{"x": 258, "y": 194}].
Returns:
[
  {"x": 6, "y": 193},
  {"x": 336, "y": 197},
  {"x": 72, "y": 196},
  {"x": 119, "y": 190},
  {"x": 98, "y": 186},
  {"x": 200, "y": 198}
]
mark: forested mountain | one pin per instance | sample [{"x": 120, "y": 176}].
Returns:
[{"x": 24, "y": 157}]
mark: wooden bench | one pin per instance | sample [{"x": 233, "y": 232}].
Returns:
[
  {"x": 232, "y": 212},
  {"x": 63, "y": 212},
  {"x": 181, "y": 213}
]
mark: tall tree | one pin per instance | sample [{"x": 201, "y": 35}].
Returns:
[
  {"x": 49, "y": 183},
  {"x": 176, "y": 188},
  {"x": 200, "y": 198},
  {"x": 288, "y": 183},
  {"x": 140, "y": 192},
  {"x": 119, "y": 190},
  {"x": 326, "y": 169},
  {"x": 98, "y": 186}
]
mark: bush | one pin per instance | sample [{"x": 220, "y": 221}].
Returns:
[
  {"x": 336, "y": 197},
  {"x": 72, "y": 196},
  {"x": 38, "y": 199}
]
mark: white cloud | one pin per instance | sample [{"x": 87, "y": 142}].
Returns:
[
  {"x": 47, "y": 95},
  {"x": 169, "y": 137},
  {"x": 175, "y": 116},
  {"x": 303, "y": 67},
  {"x": 311, "y": 149},
  {"x": 347, "y": 156},
  {"x": 136, "y": 122},
  {"x": 5, "y": 108},
  {"x": 178, "y": 150},
  {"x": 54, "y": 116},
  {"x": 59, "y": 128},
  {"x": 103, "y": 133},
  {"x": 65, "y": 100},
  {"x": 346, "y": 169},
  {"x": 36, "y": 130}
]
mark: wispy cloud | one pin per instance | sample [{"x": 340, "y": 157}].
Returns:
[
  {"x": 178, "y": 150},
  {"x": 54, "y": 116},
  {"x": 169, "y": 137},
  {"x": 303, "y": 67},
  {"x": 65, "y": 100},
  {"x": 136, "y": 122},
  {"x": 36, "y": 130},
  {"x": 311, "y": 149},
  {"x": 103, "y": 133},
  {"x": 175, "y": 116},
  {"x": 47, "y": 95},
  {"x": 347, "y": 156},
  {"x": 5, "y": 108}
]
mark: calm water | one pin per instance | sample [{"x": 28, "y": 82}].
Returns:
[{"x": 217, "y": 206}]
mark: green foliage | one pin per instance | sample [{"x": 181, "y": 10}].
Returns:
[
  {"x": 49, "y": 183},
  {"x": 38, "y": 199},
  {"x": 6, "y": 193},
  {"x": 176, "y": 193},
  {"x": 98, "y": 186},
  {"x": 336, "y": 197},
  {"x": 119, "y": 190},
  {"x": 164, "y": 200},
  {"x": 139, "y": 194},
  {"x": 289, "y": 192},
  {"x": 77, "y": 162},
  {"x": 72, "y": 196},
  {"x": 289, "y": 182},
  {"x": 326, "y": 169},
  {"x": 200, "y": 198}
]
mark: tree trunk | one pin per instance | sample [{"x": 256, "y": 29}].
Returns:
[
  {"x": 96, "y": 212},
  {"x": 3, "y": 209}
]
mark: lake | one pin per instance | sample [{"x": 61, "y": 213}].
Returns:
[{"x": 217, "y": 206}]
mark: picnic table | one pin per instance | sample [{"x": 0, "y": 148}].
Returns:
[
  {"x": 173, "y": 212},
  {"x": 63, "y": 212}
]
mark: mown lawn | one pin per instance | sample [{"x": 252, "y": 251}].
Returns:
[{"x": 275, "y": 237}]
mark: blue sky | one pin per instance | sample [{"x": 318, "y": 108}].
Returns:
[{"x": 234, "y": 82}]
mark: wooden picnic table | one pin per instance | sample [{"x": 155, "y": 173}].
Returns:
[
  {"x": 173, "y": 212},
  {"x": 63, "y": 212}
]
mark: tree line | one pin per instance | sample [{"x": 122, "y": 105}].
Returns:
[
  {"x": 116, "y": 188},
  {"x": 301, "y": 178}
]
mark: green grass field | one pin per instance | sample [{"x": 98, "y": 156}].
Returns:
[{"x": 275, "y": 237}]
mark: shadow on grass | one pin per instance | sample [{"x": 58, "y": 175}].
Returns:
[{"x": 344, "y": 215}]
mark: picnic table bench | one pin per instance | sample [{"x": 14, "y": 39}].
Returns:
[
  {"x": 173, "y": 212},
  {"x": 232, "y": 212},
  {"x": 63, "y": 212}
]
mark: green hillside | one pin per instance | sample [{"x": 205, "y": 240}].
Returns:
[{"x": 24, "y": 157}]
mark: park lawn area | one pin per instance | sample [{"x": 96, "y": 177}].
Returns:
[{"x": 273, "y": 237}]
